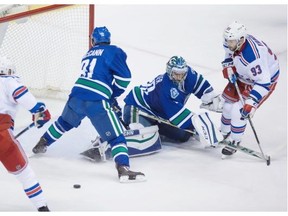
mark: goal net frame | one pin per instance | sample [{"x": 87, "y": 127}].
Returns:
[{"x": 29, "y": 75}]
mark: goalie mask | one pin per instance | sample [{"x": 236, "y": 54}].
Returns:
[
  {"x": 100, "y": 35},
  {"x": 6, "y": 66},
  {"x": 234, "y": 36},
  {"x": 177, "y": 69}
]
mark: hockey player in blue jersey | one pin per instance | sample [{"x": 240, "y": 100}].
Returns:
[
  {"x": 104, "y": 76},
  {"x": 165, "y": 98}
]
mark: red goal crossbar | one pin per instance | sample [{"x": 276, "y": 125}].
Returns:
[{"x": 49, "y": 8}]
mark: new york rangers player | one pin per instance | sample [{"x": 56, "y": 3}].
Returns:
[
  {"x": 165, "y": 98},
  {"x": 255, "y": 68},
  {"x": 12, "y": 156},
  {"x": 104, "y": 76}
]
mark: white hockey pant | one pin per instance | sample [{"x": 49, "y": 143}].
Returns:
[{"x": 231, "y": 121}]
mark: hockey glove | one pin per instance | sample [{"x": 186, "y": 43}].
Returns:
[
  {"x": 41, "y": 115},
  {"x": 116, "y": 108},
  {"x": 227, "y": 63},
  {"x": 248, "y": 109},
  {"x": 229, "y": 70},
  {"x": 230, "y": 74}
]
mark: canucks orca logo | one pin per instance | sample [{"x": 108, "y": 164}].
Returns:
[{"x": 174, "y": 93}]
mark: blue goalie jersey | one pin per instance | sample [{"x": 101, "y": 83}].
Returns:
[
  {"x": 104, "y": 74},
  {"x": 166, "y": 99}
]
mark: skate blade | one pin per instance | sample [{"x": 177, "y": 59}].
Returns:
[
  {"x": 226, "y": 156},
  {"x": 125, "y": 179},
  {"x": 91, "y": 159},
  {"x": 209, "y": 147},
  {"x": 33, "y": 155}
]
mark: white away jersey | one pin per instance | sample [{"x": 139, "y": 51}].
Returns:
[
  {"x": 256, "y": 65},
  {"x": 12, "y": 93}
]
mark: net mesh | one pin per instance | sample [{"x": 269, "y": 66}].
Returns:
[{"x": 47, "y": 49}]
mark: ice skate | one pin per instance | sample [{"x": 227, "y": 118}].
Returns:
[
  {"x": 126, "y": 175},
  {"x": 229, "y": 151},
  {"x": 41, "y": 146},
  {"x": 93, "y": 154},
  {"x": 99, "y": 151},
  {"x": 43, "y": 209}
]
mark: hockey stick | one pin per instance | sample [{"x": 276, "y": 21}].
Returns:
[
  {"x": 247, "y": 151},
  {"x": 239, "y": 147},
  {"x": 24, "y": 130},
  {"x": 116, "y": 110},
  {"x": 144, "y": 114},
  {"x": 265, "y": 157},
  {"x": 128, "y": 132}
]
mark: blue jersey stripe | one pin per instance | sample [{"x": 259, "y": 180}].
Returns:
[
  {"x": 33, "y": 187},
  {"x": 255, "y": 95}
]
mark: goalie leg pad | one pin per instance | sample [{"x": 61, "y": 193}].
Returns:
[
  {"x": 208, "y": 133},
  {"x": 147, "y": 142},
  {"x": 144, "y": 144}
]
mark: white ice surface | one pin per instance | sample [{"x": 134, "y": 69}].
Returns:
[{"x": 183, "y": 177}]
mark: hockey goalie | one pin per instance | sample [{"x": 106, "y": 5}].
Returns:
[{"x": 161, "y": 103}]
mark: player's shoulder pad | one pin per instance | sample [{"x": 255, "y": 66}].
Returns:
[{"x": 117, "y": 50}]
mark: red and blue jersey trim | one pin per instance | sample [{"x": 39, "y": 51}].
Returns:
[
  {"x": 249, "y": 52},
  {"x": 253, "y": 47},
  {"x": 238, "y": 130},
  {"x": 225, "y": 121},
  {"x": 33, "y": 191},
  {"x": 274, "y": 78},
  {"x": 19, "y": 92}
]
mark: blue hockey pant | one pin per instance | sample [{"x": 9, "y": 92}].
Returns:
[{"x": 102, "y": 117}]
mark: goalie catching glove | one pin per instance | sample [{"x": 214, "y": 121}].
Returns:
[
  {"x": 213, "y": 102},
  {"x": 40, "y": 115}
]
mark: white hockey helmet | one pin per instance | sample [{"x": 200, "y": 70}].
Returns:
[
  {"x": 235, "y": 31},
  {"x": 6, "y": 66}
]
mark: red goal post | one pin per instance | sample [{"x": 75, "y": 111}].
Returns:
[{"x": 47, "y": 44}]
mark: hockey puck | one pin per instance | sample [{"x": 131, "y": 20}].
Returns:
[{"x": 77, "y": 186}]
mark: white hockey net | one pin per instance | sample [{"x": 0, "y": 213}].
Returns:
[{"x": 47, "y": 48}]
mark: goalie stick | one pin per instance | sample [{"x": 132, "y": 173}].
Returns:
[
  {"x": 128, "y": 133},
  {"x": 162, "y": 121},
  {"x": 205, "y": 130}
]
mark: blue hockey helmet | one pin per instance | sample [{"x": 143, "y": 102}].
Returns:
[
  {"x": 177, "y": 69},
  {"x": 100, "y": 35}
]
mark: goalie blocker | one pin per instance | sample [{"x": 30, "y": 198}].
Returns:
[{"x": 140, "y": 141}]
